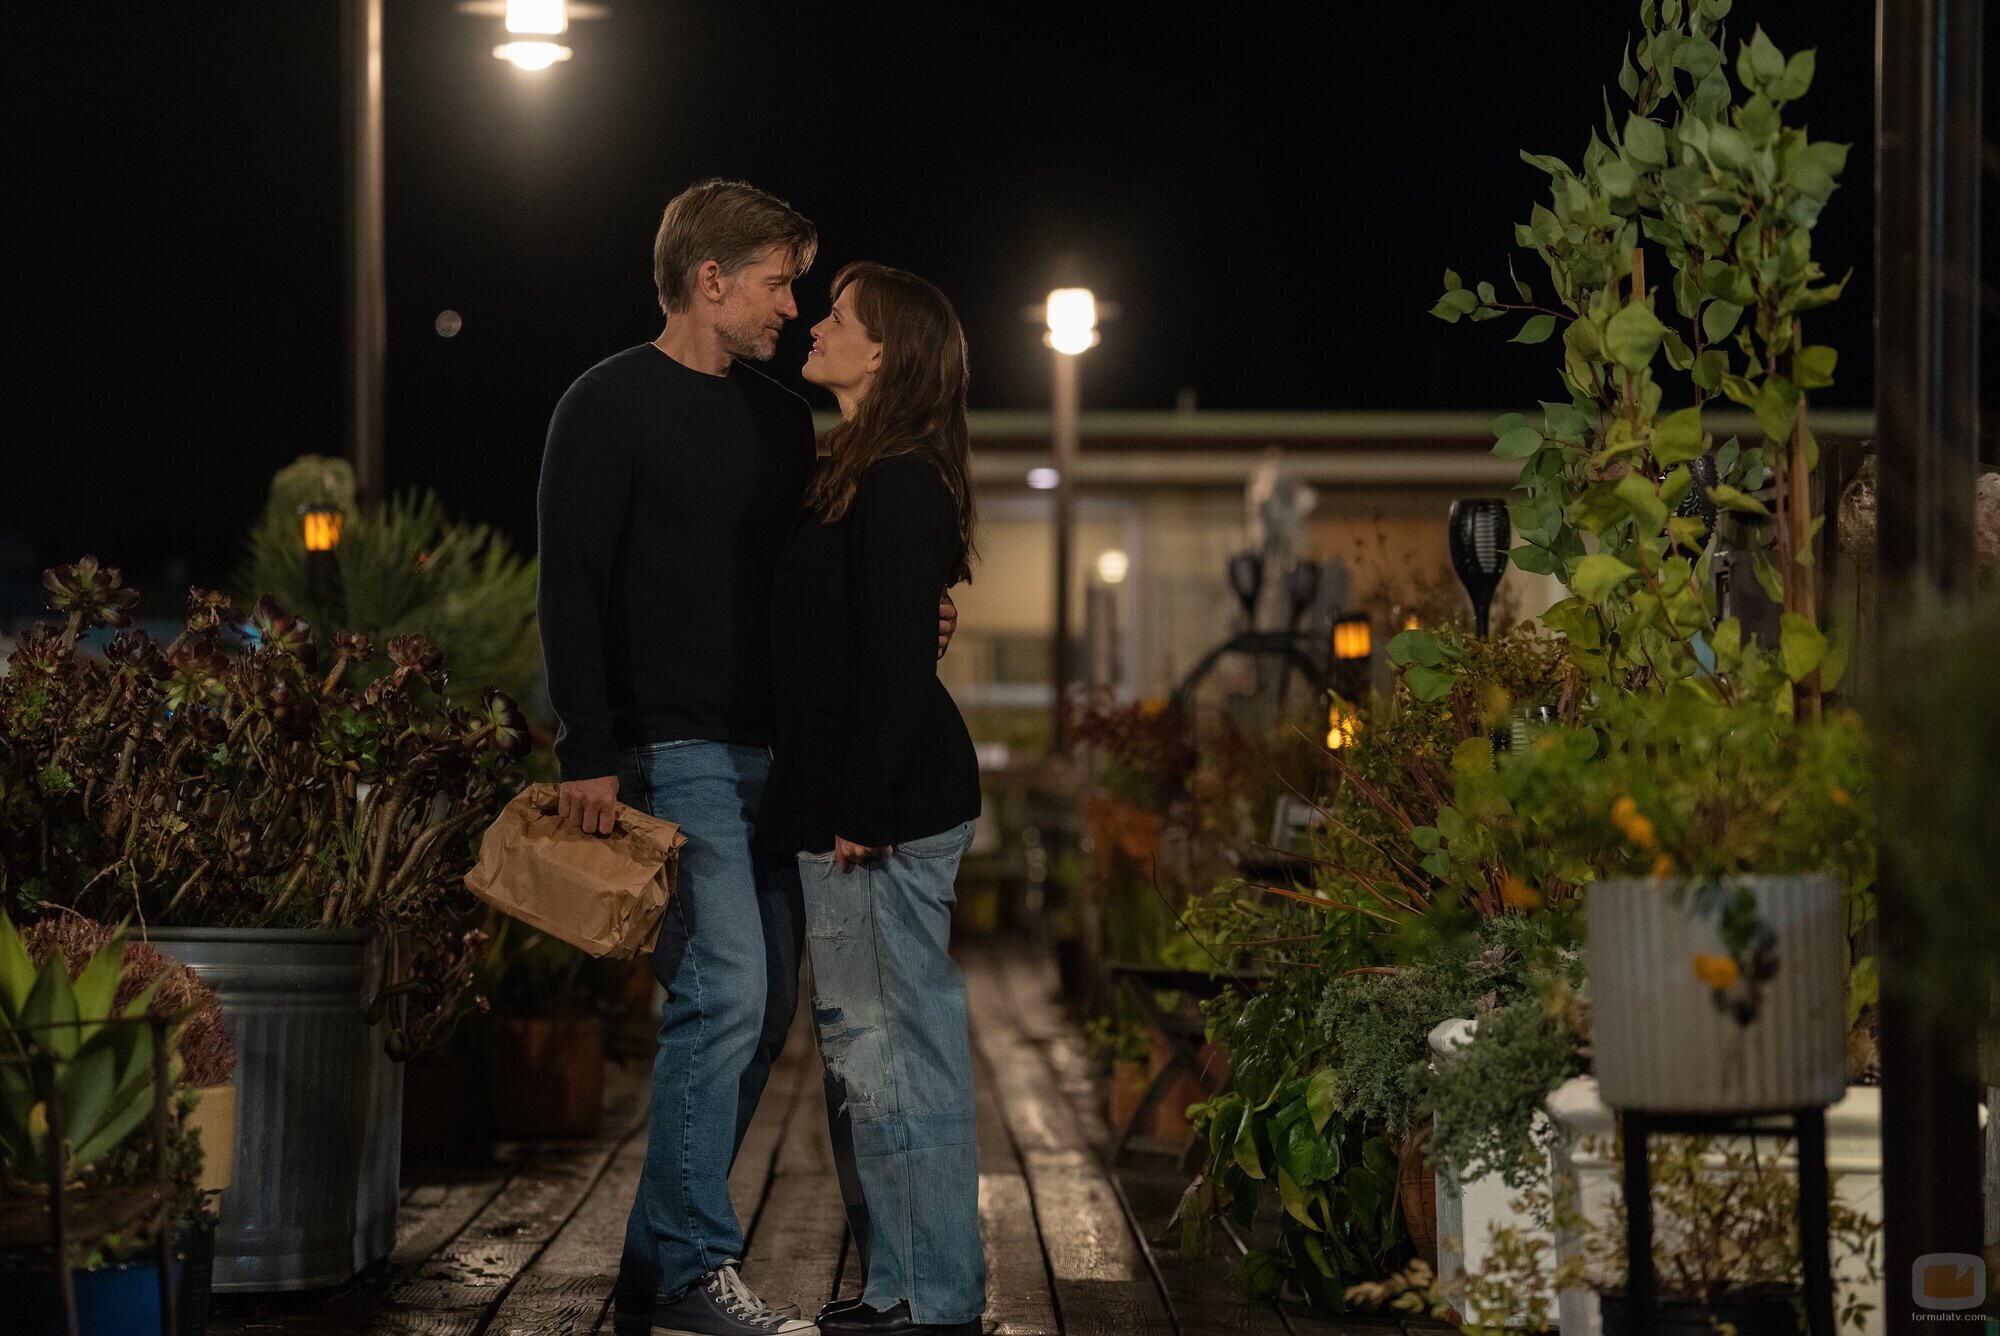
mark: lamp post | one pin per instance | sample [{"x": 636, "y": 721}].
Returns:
[
  {"x": 531, "y": 23},
  {"x": 319, "y": 527},
  {"x": 1072, "y": 331}
]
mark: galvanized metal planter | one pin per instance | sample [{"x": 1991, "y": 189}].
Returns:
[
  {"x": 306, "y": 1099},
  {"x": 1659, "y": 1041}
]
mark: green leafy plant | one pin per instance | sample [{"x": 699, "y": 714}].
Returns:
[
  {"x": 1485, "y": 1097},
  {"x": 101, "y": 1068},
  {"x": 1279, "y": 1129},
  {"x": 1709, "y": 178},
  {"x": 404, "y": 568},
  {"x": 1725, "y": 1220},
  {"x": 233, "y": 779}
]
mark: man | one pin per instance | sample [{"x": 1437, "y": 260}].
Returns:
[{"x": 672, "y": 474}]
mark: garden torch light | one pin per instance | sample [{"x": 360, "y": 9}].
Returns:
[
  {"x": 319, "y": 526},
  {"x": 1301, "y": 588},
  {"x": 1480, "y": 536},
  {"x": 1353, "y": 644}
]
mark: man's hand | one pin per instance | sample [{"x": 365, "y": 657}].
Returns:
[
  {"x": 849, "y": 855},
  {"x": 591, "y": 805},
  {"x": 947, "y": 621}
]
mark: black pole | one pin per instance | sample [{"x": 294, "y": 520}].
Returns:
[
  {"x": 1640, "y": 1282},
  {"x": 1927, "y": 164},
  {"x": 163, "y": 1174},
  {"x": 43, "y": 1065}
]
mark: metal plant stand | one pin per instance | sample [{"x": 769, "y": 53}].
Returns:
[
  {"x": 64, "y": 1229},
  {"x": 1808, "y": 1127}
]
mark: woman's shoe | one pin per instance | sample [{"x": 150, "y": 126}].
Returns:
[
  {"x": 861, "y": 1320},
  {"x": 837, "y": 1307}
]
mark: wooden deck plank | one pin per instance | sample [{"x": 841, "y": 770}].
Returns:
[
  {"x": 434, "y": 1213},
  {"x": 452, "y": 1293},
  {"x": 1018, "y": 1299},
  {"x": 567, "y": 1289},
  {"x": 799, "y": 1233},
  {"x": 1201, "y": 1289},
  {"x": 797, "y": 1066},
  {"x": 1101, "y": 1279}
]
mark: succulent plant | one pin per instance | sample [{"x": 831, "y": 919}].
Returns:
[{"x": 224, "y": 780}]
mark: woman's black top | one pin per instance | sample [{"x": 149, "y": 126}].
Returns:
[{"x": 869, "y": 746}]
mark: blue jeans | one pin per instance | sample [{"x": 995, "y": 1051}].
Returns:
[
  {"x": 889, "y": 1009},
  {"x": 728, "y": 956}
]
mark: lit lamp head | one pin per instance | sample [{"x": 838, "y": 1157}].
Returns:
[
  {"x": 1352, "y": 638},
  {"x": 1353, "y": 644},
  {"x": 535, "y": 20},
  {"x": 319, "y": 525},
  {"x": 1072, "y": 318},
  {"x": 1113, "y": 565}
]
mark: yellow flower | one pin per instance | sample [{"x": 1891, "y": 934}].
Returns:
[
  {"x": 1625, "y": 815},
  {"x": 1718, "y": 972},
  {"x": 1837, "y": 796},
  {"x": 1663, "y": 866},
  {"x": 1518, "y": 894},
  {"x": 1152, "y": 706}
]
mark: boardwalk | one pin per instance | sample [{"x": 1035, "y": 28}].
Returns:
[{"x": 527, "y": 1247}]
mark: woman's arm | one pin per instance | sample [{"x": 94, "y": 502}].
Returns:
[{"x": 900, "y": 536}]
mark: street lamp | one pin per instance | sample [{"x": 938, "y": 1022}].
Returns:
[
  {"x": 367, "y": 274},
  {"x": 540, "y": 19},
  {"x": 1071, "y": 316}
]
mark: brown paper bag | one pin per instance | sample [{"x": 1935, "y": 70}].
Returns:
[{"x": 602, "y": 893}]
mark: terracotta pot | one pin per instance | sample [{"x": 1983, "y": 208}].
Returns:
[
  {"x": 548, "y": 1076},
  {"x": 1167, "y": 1123},
  {"x": 1416, "y": 1193},
  {"x": 446, "y": 1115},
  {"x": 214, "y": 1117}
]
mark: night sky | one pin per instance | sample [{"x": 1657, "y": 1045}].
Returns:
[{"x": 1271, "y": 203}]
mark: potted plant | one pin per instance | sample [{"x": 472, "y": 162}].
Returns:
[
  {"x": 1733, "y": 847},
  {"x": 79, "y": 1007},
  {"x": 1725, "y": 1250},
  {"x": 295, "y": 835},
  {"x": 547, "y": 1035},
  {"x": 207, "y": 1102}
]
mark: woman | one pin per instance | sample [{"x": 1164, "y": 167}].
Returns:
[{"x": 875, "y": 784}]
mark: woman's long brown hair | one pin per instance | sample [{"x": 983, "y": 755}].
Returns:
[{"x": 917, "y": 403}]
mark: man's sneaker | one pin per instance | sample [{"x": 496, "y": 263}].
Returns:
[{"x": 722, "y": 1305}]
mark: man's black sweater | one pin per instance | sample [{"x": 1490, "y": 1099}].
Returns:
[{"x": 665, "y": 496}]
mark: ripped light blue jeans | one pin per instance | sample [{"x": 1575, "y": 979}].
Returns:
[{"x": 889, "y": 1009}]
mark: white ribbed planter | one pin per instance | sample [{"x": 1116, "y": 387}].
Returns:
[
  {"x": 1469, "y": 1209},
  {"x": 1659, "y": 1041},
  {"x": 1583, "y": 1160}
]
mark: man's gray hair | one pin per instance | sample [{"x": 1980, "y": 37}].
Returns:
[{"x": 729, "y": 222}]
